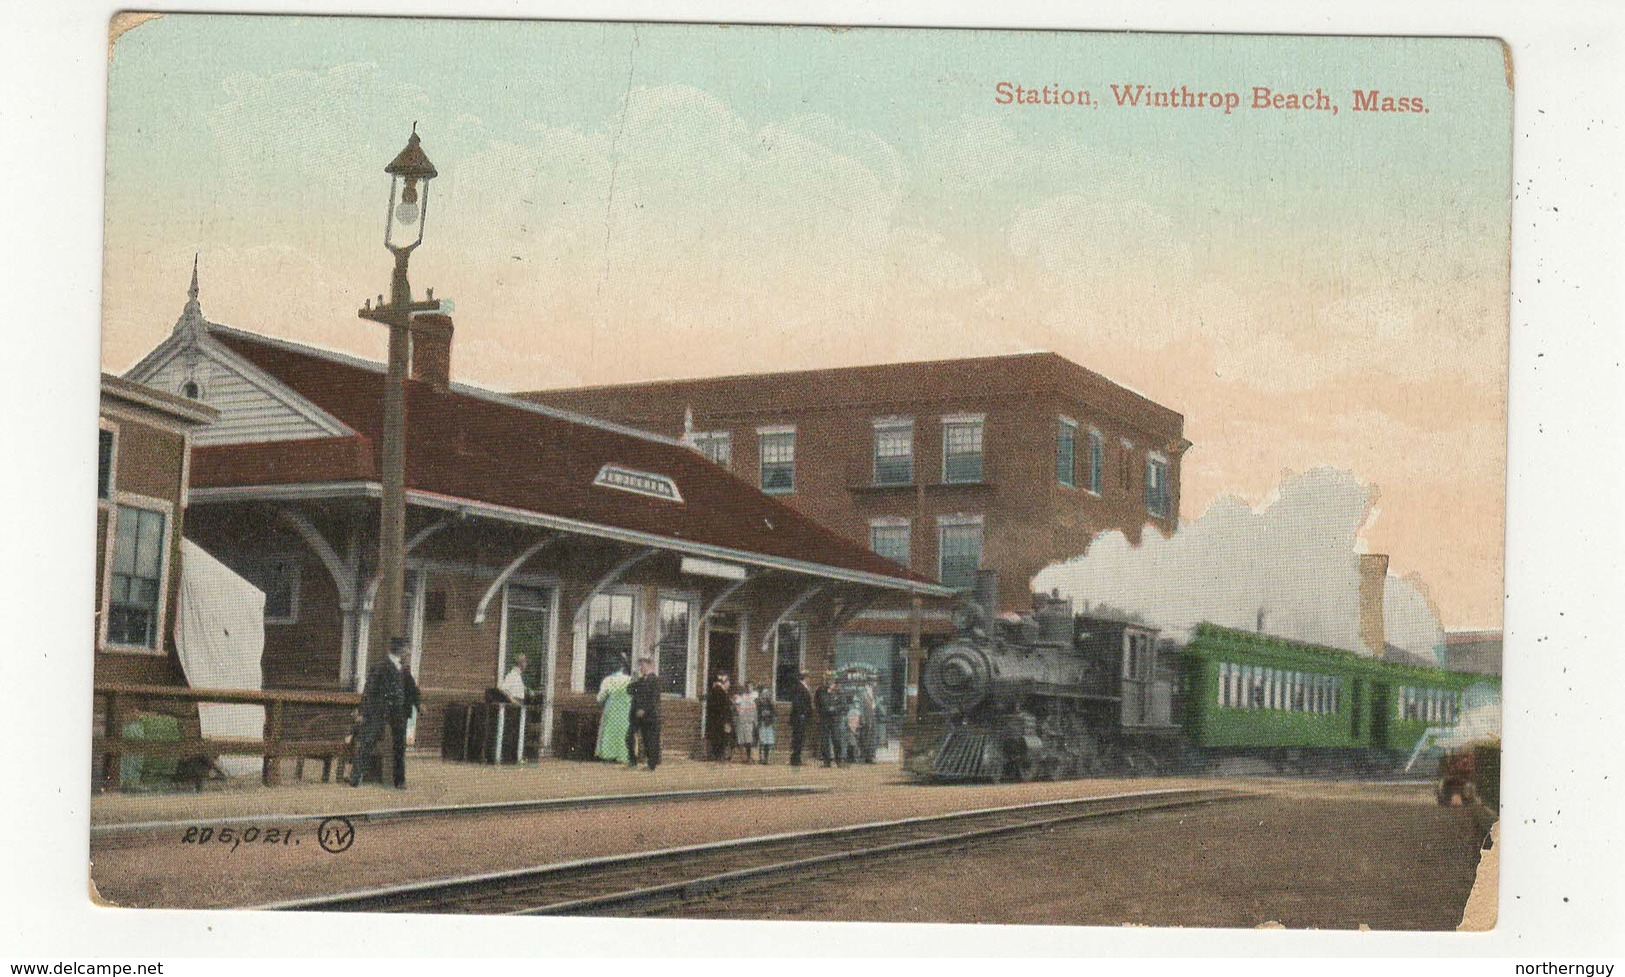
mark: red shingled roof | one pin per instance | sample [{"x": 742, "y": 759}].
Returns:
[{"x": 478, "y": 448}]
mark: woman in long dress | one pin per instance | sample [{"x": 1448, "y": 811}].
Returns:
[
  {"x": 612, "y": 723},
  {"x": 745, "y": 720}
]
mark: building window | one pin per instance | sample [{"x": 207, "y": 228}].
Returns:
[
  {"x": 889, "y": 538},
  {"x": 138, "y": 559},
  {"x": 676, "y": 644},
  {"x": 104, "y": 464},
  {"x": 715, "y": 445},
  {"x": 609, "y": 637},
  {"x": 1156, "y": 486},
  {"x": 278, "y": 578},
  {"x": 959, "y": 552},
  {"x": 962, "y": 450},
  {"x": 1137, "y": 657},
  {"x": 1124, "y": 463},
  {"x": 528, "y": 637},
  {"x": 1097, "y": 461},
  {"x": 894, "y": 452},
  {"x": 778, "y": 449},
  {"x": 786, "y": 659},
  {"x": 190, "y": 390},
  {"x": 1066, "y": 452}
]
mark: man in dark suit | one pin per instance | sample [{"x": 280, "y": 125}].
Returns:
[
  {"x": 390, "y": 696},
  {"x": 719, "y": 716},
  {"x": 801, "y": 707},
  {"x": 644, "y": 721},
  {"x": 831, "y": 705}
]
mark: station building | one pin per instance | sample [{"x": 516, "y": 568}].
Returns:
[
  {"x": 535, "y": 535},
  {"x": 1004, "y": 463}
]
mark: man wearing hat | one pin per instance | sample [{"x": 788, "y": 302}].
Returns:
[
  {"x": 391, "y": 694},
  {"x": 801, "y": 710},
  {"x": 644, "y": 722},
  {"x": 831, "y": 706}
]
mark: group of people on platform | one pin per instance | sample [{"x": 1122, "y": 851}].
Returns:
[
  {"x": 740, "y": 721},
  {"x": 629, "y": 725},
  {"x": 850, "y": 723},
  {"x": 745, "y": 718}
]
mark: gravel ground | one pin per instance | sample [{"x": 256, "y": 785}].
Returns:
[
  {"x": 1330, "y": 823},
  {"x": 1301, "y": 859}
]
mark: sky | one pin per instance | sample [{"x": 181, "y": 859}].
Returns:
[{"x": 622, "y": 202}]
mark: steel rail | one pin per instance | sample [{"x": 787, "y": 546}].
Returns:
[{"x": 499, "y": 892}]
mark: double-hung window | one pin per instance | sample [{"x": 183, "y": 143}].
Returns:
[
  {"x": 715, "y": 445},
  {"x": 104, "y": 464},
  {"x": 278, "y": 577},
  {"x": 894, "y": 451},
  {"x": 888, "y": 537},
  {"x": 1066, "y": 452},
  {"x": 137, "y": 578},
  {"x": 962, "y": 449},
  {"x": 959, "y": 550},
  {"x": 610, "y": 629},
  {"x": 1097, "y": 461},
  {"x": 676, "y": 644},
  {"x": 1157, "y": 495},
  {"x": 786, "y": 659},
  {"x": 778, "y": 459}
]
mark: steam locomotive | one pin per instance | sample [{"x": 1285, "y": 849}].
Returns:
[{"x": 1052, "y": 694}]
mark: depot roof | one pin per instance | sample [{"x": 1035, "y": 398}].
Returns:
[{"x": 497, "y": 456}]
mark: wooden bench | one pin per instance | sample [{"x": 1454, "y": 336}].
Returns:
[
  {"x": 327, "y": 736},
  {"x": 313, "y": 741}
]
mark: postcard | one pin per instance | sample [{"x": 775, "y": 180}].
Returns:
[{"x": 785, "y": 473}]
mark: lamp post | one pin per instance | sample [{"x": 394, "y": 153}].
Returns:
[{"x": 409, "y": 175}]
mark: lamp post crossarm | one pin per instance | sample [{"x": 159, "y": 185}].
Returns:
[{"x": 389, "y": 314}]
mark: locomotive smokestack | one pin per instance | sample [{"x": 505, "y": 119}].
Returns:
[{"x": 985, "y": 595}]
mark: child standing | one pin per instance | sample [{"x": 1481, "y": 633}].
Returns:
[{"x": 766, "y": 716}]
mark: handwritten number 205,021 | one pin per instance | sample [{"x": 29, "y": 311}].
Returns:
[{"x": 237, "y": 836}]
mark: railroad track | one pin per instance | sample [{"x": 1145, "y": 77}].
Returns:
[{"x": 627, "y": 883}]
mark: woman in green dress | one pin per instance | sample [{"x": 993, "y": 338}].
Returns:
[{"x": 612, "y": 723}]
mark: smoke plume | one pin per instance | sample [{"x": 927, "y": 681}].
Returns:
[{"x": 1295, "y": 560}]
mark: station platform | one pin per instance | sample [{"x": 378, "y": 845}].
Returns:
[{"x": 433, "y": 782}]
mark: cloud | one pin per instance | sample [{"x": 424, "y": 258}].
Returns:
[
  {"x": 317, "y": 131},
  {"x": 1295, "y": 559}
]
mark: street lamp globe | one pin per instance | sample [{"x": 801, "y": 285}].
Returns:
[{"x": 410, "y": 172}]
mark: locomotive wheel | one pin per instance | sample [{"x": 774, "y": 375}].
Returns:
[{"x": 1017, "y": 771}]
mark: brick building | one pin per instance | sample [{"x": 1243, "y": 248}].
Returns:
[
  {"x": 1007, "y": 463},
  {"x": 535, "y": 536},
  {"x": 1478, "y": 652},
  {"x": 143, "y": 452}
]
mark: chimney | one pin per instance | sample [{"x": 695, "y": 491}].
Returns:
[
  {"x": 431, "y": 350},
  {"x": 1373, "y": 578}
]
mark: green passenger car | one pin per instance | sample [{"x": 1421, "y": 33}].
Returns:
[{"x": 1254, "y": 693}]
